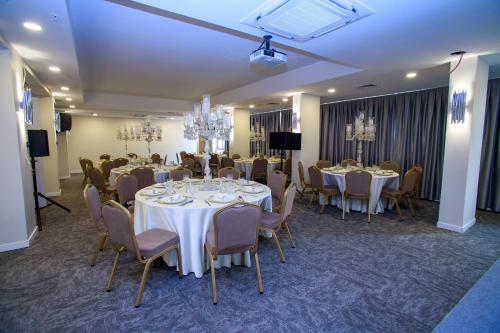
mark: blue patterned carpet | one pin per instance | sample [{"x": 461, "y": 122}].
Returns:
[{"x": 343, "y": 276}]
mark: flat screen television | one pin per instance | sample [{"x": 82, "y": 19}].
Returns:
[{"x": 285, "y": 140}]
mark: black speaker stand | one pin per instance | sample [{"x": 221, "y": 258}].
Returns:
[{"x": 38, "y": 194}]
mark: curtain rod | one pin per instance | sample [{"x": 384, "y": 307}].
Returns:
[
  {"x": 397, "y": 93},
  {"x": 278, "y": 110}
]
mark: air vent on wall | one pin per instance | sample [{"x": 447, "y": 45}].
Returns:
[
  {"x": 302, "y": 20},
  {"x": 370, "y": 85}
]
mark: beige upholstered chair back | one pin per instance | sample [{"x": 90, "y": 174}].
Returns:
[
  {"x": 93, "y": 203},
  {"x": 236, "y": 156},
  {"x": 301, "y": 174},
  {"x": 226, "y": 162},
  {"x": 321, "y": 164},
  {"x": 118, "y": 162},
  {"x": 229, "y": 170},
  {"x": 106, "y": 167},
  {"x": 106, "y": 157},
  {"x": 288, "y": 199},
  {"x": 96, "y": 178},
  {"x": 276, "y": 180},
  {"x": 410, "y": 181},
  {"x": 126, "y": 187},
  {"x": 145, "y": 176},
  {"x": 179, "y": 173},
  {"x": 259, "y": 168},
  {"x": 348, "y": 162},
  {"x": 315, "y": 177},
  {"x": 358, "y": 183},
  {"x": 389, "y": 165}
]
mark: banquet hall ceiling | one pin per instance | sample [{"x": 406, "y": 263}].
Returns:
[{"x": 173, "y": 51}]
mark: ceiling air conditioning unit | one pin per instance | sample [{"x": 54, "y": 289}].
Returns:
[{"x": 302, "y": 20}]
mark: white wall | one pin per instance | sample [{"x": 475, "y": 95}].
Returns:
[
  {"x": 240, "y": 137},
  {"x": 93, "y": 136},
  {"x": 17, "y": 221},
  {"x": 62, "y": 155},
  {"x": 51, "y": 162}
]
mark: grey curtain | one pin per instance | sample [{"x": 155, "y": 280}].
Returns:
[
  {"x": 410, "y": 130},
  {"x": 277, "y": 121},
  {"x": 489, "y": 178}
]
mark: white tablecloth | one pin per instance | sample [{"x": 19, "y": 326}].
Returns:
[
  {"x": 191, "y": 222},
  {"x": 246, "y": 165},
  {"x": 378, "y": 182},
  {"x": 161, "y": 174}
]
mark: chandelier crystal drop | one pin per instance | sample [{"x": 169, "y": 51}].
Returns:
[{"x": 207, "y": 123}]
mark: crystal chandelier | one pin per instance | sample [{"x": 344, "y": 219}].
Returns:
[
  {"x": 257, "y": 135},
  {"x": 363, "y": 131},
  {"x": 147, "y": 132},
  {"x": 207, "y": 123},
  {"x": 123, "y": 134}
]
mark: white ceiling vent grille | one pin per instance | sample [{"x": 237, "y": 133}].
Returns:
[{"x": 303, "y": 20}]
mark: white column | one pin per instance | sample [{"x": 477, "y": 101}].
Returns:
[
  {"x": 50, "y": 163},
  {"x": 307, "y": 110},
  {"x": 63, "y": 156},
  {"x": 462, "y": 156},
  {"x": 239, "y": 142}
]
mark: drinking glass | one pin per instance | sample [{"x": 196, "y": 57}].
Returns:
[{"x": 229, "y": 176}]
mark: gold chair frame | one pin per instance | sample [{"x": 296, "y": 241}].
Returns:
[
  {"x": 345, "y": 197},
  {"x": 101, "y": 235}
]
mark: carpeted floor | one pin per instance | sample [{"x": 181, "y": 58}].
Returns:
[{"x": 343, "y": 276}]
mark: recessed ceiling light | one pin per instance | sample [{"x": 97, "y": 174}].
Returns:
[
  {"x": 32, "y": 26},
  {"x": 172, "y": 118},
  {"x": 67, "y": 111},
  {"x": 69, "y": 99},
  {"x": 94, "y": 114},
  {"x": 54, "y": 69},
  {"x": 57, "y": 94},
  {"x": 331, "y": 90},
  {"x": 251, "y": 106},
  {"x": 411, "y": 75},
  {"x": 64, "y": 88},
  {"x": 285, "y": 99},
  {"x": 71, "y": 106}
]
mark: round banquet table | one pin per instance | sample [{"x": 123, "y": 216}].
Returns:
[
  {"x": 333, "y": 176},
  {"x": 246, "y": 166},
  {"x": 161, "y": 173},
  {"x": 191, "y": 222}
]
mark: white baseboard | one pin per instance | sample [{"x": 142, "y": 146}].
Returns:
[
  {"x": 457, "y": 228},
  {"x": 76, "y": 171},
  {"x": 53, "y": 194},
  {"x": 65, "y": 177},
  {"x": 20, "y": 244}
]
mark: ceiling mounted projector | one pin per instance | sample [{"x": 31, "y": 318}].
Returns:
[
  {"x": 264, "y": 55},
  {"x": 303, "y": 20}
]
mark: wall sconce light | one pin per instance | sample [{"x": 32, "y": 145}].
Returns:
[{"x": 458, "y": 106}]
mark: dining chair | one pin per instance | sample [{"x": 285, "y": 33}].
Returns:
[
  {"x": 236, "y": 156},
  {"x": 106, "y": 157},
  {"x": 213, "y": 163},
  {"x": 132, "y": 155},
  {"x": 288, "y": 168},
  {"x": 118, "y": 162},
  {"x": 389, "y": 165},
  {"x": 165, "y": 159},
  {"x": 348, "y": 162},
  {"x": 235, "y": 230},
  {"x": 178, "y": 174},
  {"x": 276, "y": 181},
  {"x": 146, "y": 246},
  {"x": 196, "y": 163},
  {"x": 274, "y": 222},
  {"x": 357, "y": 186},
  {"x": 84, "y": 162},
  {"x": 229, "y": 170},
  {"x": 145, "y": 176},
  {"x": 259, "y": 168},
  {"x": 321, "y": 164},
  {"x": 93, "y": 203},
  {"x": 226, "y": 162},
  {"x": 319, "y": 188},
  {"x": 106, "y": 167},
  {"x": 183, "y": 155},
  {"x": 406, "y": 190},
  {"x": 188, "y": 163},
  {"x": 97, "y": 179},
  {"x": 126, "y": 187},
  {"x": 304, "y": 186},
  {"x": 417, "y": 185}
]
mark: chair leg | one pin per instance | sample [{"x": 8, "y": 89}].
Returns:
[
  {"x": 411, "y": 207},
  {"x": 242, "y": 259},
  {"x": 138, "y": 300},
  {"x": 99, "y": 247},
  {"x": 369, "y": 210},
  {"x": 259, "y": 277},
  {"x": 343, "y": 207},
  {"x": 214, "y": 286},
  {"x": 179, "y": 261},
  {"x": 289, "y": 233},
  {"x": 398, "y": 209},
  {"x": 115, "y": 264},
  {"x": 84, "y": 180},
  {"x": 415, "y": 201},
  {"x": 280, "y": 252},
  {"x": 311, "y": 200}
]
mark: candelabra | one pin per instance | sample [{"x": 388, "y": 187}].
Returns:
[
  {"x": 362, "y": 132},
  {"x": 123, "y": 134},
  {"x": 207, "y": 123},
  {"x": 147, "y": 132},
  {"x": 257, "y": 135}
]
